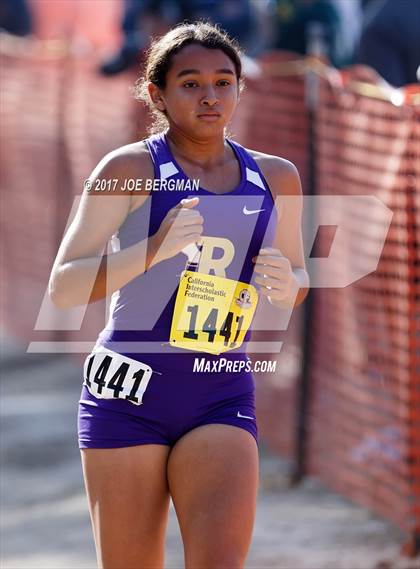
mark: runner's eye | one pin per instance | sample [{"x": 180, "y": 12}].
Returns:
[
  {"x": 224, "y": 82},
  {"x": 189, "y": 84}
]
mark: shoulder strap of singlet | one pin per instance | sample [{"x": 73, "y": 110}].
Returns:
[
  {"x": 253, "y": 171},
  {"x": 161, "y": 158}
]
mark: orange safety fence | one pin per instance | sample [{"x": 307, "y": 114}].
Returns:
[
  {"x": 364, "y": 439},
  {"x": 59, "y": 117},
  {"x": 363, "y": 422}
]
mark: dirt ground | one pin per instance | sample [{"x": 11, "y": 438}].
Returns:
[{"x": 44, "y": 515}]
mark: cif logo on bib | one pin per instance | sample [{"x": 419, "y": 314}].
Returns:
[{"x": 212, "y": 313}]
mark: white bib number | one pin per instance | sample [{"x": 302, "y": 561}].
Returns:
[{"x": 109, "y": 375}]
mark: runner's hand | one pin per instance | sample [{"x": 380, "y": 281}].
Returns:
[
  {"x": 274, "y": 273},
  {"x": 181, "y": 226}
]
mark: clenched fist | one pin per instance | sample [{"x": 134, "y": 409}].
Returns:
[
  {"x": 274, "y": 274},
  {"x": 181, "y": 226}
]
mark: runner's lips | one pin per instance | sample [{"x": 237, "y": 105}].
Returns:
[{"x": 208, "y": 115}]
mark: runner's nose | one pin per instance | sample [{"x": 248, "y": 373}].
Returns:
[{"x": 209, "y": 98}]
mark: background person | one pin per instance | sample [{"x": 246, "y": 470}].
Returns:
[
  {"x": 390, "y": 41},
  {"x": 145, "y": 18}
]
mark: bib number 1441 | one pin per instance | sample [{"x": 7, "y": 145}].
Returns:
[
  {"x": 109, "y": 375},
  {"x": 209, "y": 326}
]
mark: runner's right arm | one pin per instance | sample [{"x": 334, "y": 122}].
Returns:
[{"x": 82, "y": 272}]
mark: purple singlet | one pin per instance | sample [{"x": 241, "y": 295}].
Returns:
[{"x": 178, "y": 398}]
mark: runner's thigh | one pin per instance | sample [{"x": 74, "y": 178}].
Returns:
[
  {"x": 213, "y": 480},
  {"x": 128, "y": 500}
]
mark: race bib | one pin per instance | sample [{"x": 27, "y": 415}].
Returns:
[
  {"x": 212, "y": 314},
  {"x": 108, "y": 375}
]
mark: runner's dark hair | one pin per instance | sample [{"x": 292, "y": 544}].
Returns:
[{"x": 159, "y": 58}]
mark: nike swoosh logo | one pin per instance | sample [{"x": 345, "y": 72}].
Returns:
[
  {"x": 245, "y": 416},
  {"x": 251, "y": 211}
]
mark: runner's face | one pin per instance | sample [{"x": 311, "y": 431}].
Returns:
[{"x": 201, "y": 91}]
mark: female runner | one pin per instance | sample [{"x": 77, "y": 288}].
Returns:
[{"x": 159, "y": 416}]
